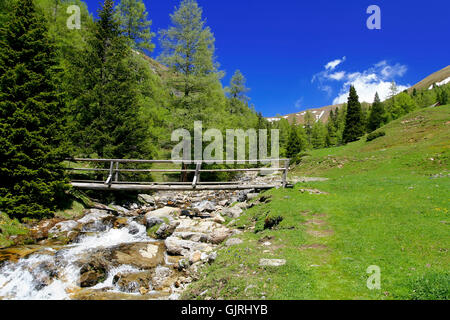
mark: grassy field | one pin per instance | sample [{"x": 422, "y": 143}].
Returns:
[{"x": 386, "y": 203}]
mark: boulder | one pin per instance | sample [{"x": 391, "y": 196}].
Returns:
[
  {"x": 141, "y": 255},
  {"x": 96, "y": 220},
  {"x": 179, "y": 247},
  {"x": 166, "y": 230},
  {"x": 165, "y": 214},
  {"x": 233, "y": 212},
  {"x": 272, "y": 262},
  {"x": 146, "y": 199},
  {"x": 204, "y": 206},
  {"x": 219, "y": 235},
  {"x": 219, "y": 219},
  {"x": 162, "y": 278},
  {"x": 133, "y": 282},
  {"x": 91, "y": 274},
  {"x": 233, "y": 241}
]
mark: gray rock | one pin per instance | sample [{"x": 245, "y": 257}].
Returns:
[
  {"x": 146, "y": 199},
  {"x": 233, "y": 212},
  {"x": 176, "y": 246},
  {"x": 233, "y": 241},
  {"x": 272, "y": 262},
  {"x": 166, "y": 230},
  {"x": 205, "y": 206}
]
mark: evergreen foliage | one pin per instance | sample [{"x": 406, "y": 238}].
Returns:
[
  {"x": 377, "y": 114},
  {"x": 354, "y": 126},
  {"x": 32, "y": 181},
  {"x": 132, "y": 15},
  {"x": 105, "y": 113}
]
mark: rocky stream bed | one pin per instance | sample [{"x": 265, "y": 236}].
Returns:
[{"x": 151, "y": 249}]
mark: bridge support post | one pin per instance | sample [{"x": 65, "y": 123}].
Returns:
[
  {"x": 108, "y": 181},
  {"x": 285, "y": 172},
  {"x": 197, "y": 175}
]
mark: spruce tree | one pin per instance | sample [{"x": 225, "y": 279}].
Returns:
[
  {"x": 377, "y": 114},
  {"x": 354, "y": 127},
  {"x": 132, "y": 15},
  {"x": 31, "y": 177},
  {"x": 295, "y": 143},
  {"x": 106, "y": 114}
]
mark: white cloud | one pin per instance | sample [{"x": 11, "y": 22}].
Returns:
[
  {"x": 366, "y": 86},
  {"x": 377, "y": 78},
  {"x": 299, "y": 103},
  {"x": 337, "y": 75},
  {"x": 333, "y": 64}
]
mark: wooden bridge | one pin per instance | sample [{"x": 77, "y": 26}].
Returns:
[{"x": 114, "y": 183}]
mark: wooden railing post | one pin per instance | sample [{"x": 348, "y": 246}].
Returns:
[
  {"x": 108, "y": 181},
  {"x": 285, "y": 172},
  {"x": 197, "y": 175},
  {"x": 117, "y": 172}
]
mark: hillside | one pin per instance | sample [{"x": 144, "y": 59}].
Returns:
[
  {"x": 385, "y": 204},
  {"x": 440, "y": 77},
  {"x": 321, "y": 114}
]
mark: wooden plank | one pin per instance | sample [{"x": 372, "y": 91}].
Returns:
[{"x": 137, "y": 187}]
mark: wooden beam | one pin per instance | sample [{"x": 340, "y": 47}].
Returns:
[{"x": 137, "y": 187}]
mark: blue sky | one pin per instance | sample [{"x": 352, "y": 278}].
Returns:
[{"x": 302, "y": 54}]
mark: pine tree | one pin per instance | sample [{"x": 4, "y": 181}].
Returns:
[
  {"x": 377, "y": 114},
  {"x": 331, "y": 134},
  {"x": 354, "y": 127},
  {"x": 105, "y": 109},
  {"x": 32, "y": 181},
  {"x": 237, "y": 89},
  {"x": 132, "y": 15}
]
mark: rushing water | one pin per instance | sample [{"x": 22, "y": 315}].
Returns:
[{"x": 50, "y": 273}]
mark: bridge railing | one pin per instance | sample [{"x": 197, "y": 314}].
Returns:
[{"x": 114, "y": 170}]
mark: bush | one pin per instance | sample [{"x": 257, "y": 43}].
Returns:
[{"x": 374, "y": 135}]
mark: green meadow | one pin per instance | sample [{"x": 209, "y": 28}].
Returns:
[{"x": 386, "y": 204}]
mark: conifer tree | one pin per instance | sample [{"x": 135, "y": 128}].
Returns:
[
  {"x": 106, "y": 110},
  {"x": 377, "y": 114},
  {"x": 237, "y": 89},
  {"x": 295, "y": 142},
  {"x": 354, "y": 127},
  {"x": 31, "y": 177},
  {"x": 188, "y": 49},
  {"x": 132, "y": 15}
]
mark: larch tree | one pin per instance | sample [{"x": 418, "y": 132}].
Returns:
[
  {"x": 188, "y": 50},
  {"x": 238, "y": 89},
  {"x": 132, "y": 15},
  {"x": 32, "y": 180}
]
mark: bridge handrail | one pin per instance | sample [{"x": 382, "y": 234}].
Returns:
[{"x": 114, "y": 167}]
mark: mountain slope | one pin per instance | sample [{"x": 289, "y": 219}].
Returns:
[
  {"x": 437, "y": 77},
  {"x": 440, "y": 77}
]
